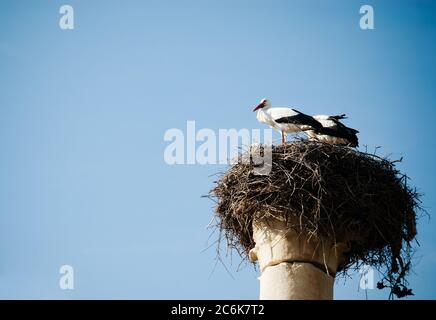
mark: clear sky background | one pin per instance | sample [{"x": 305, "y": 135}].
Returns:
[{"x": 83, "y": 114}]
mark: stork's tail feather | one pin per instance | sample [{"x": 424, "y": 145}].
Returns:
[{"x": 340, "y": 116}]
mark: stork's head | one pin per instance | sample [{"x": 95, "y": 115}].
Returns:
[{"x": 264, "y": 103}]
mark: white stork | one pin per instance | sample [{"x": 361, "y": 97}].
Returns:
[
  {"x": 284, "y": 119},
  {"x": 333, "y": 131}
]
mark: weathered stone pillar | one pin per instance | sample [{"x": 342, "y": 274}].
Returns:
[{"x": 293, "y": 265}]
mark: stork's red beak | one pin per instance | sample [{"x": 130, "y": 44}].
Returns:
[{"x": 259, "y": 106}]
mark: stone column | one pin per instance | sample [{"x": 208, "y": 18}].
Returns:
[{"x": 293, "y": 265}]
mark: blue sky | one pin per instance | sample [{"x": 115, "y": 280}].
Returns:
[{"x": 83, "y": 113}]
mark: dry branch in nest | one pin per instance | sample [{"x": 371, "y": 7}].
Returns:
[{"x": 337, "y": 193}]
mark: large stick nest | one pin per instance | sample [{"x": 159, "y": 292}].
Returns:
[{"x": 337, "y": 193}]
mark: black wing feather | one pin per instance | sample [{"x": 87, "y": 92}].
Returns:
[
  {"x": 300, "y": 119},
  {"x": 341, "y": 131}
]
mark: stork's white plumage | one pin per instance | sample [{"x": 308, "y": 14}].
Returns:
[
  {"x": 285, "y": 120},
  {"x": 333, "y": 131}
]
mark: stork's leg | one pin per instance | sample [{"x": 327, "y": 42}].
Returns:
[{"x": 283, "y": 138}]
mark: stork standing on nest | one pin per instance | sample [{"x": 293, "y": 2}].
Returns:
[
  {"x": 285, "y": 120},
  {"x": 333, "y": 131}
]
